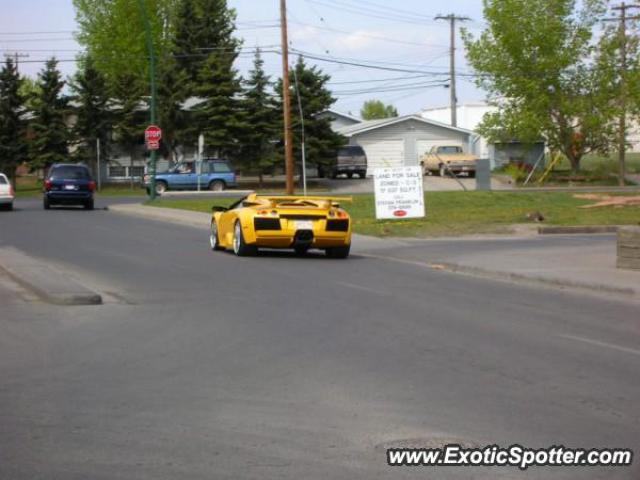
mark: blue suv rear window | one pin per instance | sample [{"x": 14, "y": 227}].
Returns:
[{"x": 69, "y": 173}]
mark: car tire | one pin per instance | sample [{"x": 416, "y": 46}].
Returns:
[
  {"x": 339, "y": 252},
  {"x": 240, "y": 248},
  {"x": 46, "y": 204},
  {"x": 161, "y": 187},
  {"x": 88, "y": 205},
  {"x": 216, "y": 186},
  {"x": 362, "y": 174},
  {"x": 334, "y": 175},
  {"x": 443, "y": 171},
  {"x": 214, "y": 239},
  {"x": 350, "y": 174}
]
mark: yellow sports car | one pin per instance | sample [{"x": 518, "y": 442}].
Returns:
[{"x": 300, "y": 223}]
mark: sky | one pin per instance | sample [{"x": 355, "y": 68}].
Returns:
[{"x": 402, "y": 39}]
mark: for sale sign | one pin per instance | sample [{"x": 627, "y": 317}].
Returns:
[
  {"x": 152, "y": 137},
  {"x": 399, "y": 193}
]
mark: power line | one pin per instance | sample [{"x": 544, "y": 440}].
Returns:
[
  {"x": 399, "y": 88},
  {"x": 372, "y": 14},
  {"x": 366, "y": 35}
]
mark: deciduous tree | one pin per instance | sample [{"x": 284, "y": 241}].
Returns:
[
  {"x": 535, "y": 62},
  {"x": 376, "y": 109}
]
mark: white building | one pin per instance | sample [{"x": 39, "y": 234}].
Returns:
[
  {"x": 469, "y": 117},
  {"x": 401, "y": 141}
]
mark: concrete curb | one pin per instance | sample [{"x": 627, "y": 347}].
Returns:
[
  {"x": 519, "y": 278},
  {"x": 533, "y": 279},
  {"x": 47, "y": 283},
  {"x": 172, "y": 215},
  {"x": 587, "y": 229}
]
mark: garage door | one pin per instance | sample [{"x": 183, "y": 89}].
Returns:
[{"x": 383, "y": 153}]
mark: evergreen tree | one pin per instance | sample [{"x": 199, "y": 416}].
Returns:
[
  {"x": 128, "y": 125},
  {"x": 218, "y": 116},
  {"x": 13, "y": 144},
  {"x": 93, "y": 116},
  {"x": 202, "y": 27},
  {"x": 50, "y": 131},
  {"x": 172, "y": 94},
  {"x": 321, "y": 142},
  {"x": 261, "y": 121}
]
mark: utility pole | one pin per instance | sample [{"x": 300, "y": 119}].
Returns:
[
  {"x": 286, "y": 99},
  {"x": 622, "y": 133},
  {"x": 452, "y": 19},
  {"x": 152, "y": 81}
]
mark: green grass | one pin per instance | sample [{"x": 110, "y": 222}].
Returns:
[
  {"x": 464, "y": 213},
  {"x": 32, "y": 187}
]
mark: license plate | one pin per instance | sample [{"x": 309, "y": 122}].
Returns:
[
  {"x": 70, "y": 187},
  {"x": 304, "y": 225}
]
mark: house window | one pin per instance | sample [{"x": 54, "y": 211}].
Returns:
[
  {"x": 136, "y": 171},
  {"x": 116, "y": 171}
]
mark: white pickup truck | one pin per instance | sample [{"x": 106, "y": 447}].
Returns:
[
  {"x": 6, "y": 193},
  {"x": 448, "y": 159}
]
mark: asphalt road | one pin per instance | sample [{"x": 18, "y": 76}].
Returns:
[{"x": 201, "y": 365}]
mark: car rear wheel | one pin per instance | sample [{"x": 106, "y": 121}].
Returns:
[
  {"x": 216, "y": 186},
  {"x": 46, "y": 204},
  {"x": 240, "y": 248},
  {"x": 301, "y": 249},
  {"x": 443, "y": 171},
  {"x": 88, "y": 205},
  {"x": 161, "y": 187},
  {"x": 214, "y": 240},
  {"x": 339, "y": 252}
]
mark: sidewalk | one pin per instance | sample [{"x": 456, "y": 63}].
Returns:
[{"x": 579, "y": 262}]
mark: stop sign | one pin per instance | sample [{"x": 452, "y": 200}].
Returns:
[{"x": 152, "y": 136}]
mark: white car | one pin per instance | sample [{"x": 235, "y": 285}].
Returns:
[{"x": 6, "y": 193}]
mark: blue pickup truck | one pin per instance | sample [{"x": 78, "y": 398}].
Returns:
[{"x": 216, "y": 175}]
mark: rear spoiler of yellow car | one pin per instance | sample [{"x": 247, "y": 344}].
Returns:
[{"x": 335, "y": 201}]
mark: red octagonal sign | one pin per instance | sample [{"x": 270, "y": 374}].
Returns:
[{"x": 152, "y": 136}]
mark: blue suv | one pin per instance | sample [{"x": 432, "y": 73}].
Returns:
[{"x": 216, "y": 175}]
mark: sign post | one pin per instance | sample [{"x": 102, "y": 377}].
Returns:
[{"x": 399, "y": 193}]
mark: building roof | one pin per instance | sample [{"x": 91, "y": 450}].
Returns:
[
  {"x": 385, "y": 122},
  {"x": 340, "y": 114}
]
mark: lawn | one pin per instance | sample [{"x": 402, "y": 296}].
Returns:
[
  {"x": 595, "y": 170},
  {"x": 464, "y": 213}
]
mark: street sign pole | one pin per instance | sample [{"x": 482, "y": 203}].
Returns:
[
  {"x": 200, "y": 153},
  {"x": 152, "y": 74}
]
